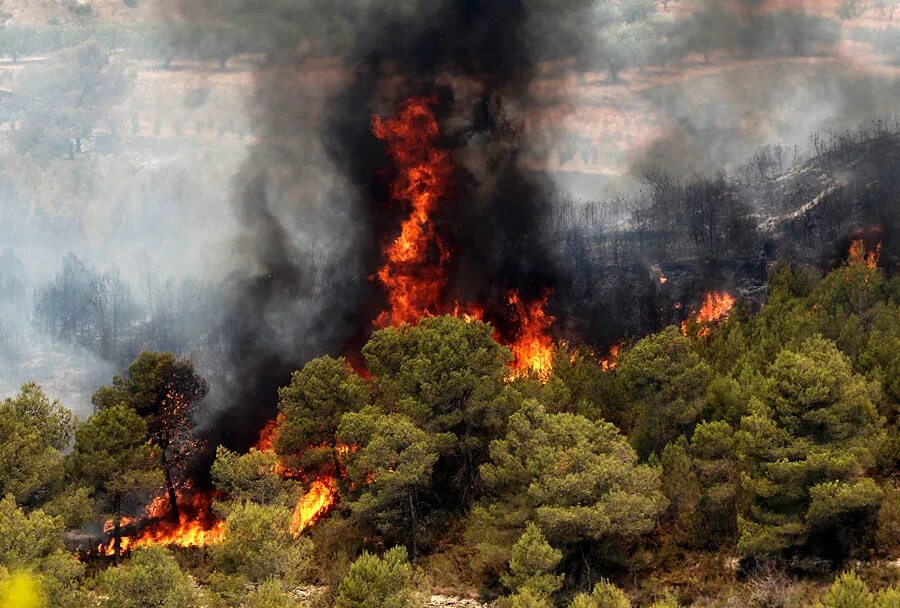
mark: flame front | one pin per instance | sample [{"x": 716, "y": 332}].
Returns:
[
  {"x": 414, "y": 274},
  {"x": 715, "y": 307},
  {"x": 860, "y": 254},
  {"x": 197, "y": 526}
]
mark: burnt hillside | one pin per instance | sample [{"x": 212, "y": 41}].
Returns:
[{"x": 646, "y": 260}]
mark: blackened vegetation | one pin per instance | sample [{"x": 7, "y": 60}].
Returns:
[{"x": 718, "y": 232}]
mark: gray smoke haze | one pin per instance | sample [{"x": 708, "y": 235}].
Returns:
[{"x": 225, "y": 166}]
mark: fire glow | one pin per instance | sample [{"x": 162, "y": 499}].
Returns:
[
  {"x": 715, "y": 307},
  {"x": 414, "y": 275},
  {"x": 196, "y": 526},
  {"x": 860, "y": 254}
]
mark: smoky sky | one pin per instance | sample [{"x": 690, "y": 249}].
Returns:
[
  {"x": 312, "y": 196},
  {"x": 293, "y": 211}
]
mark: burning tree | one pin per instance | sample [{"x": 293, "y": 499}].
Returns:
[
  {"x": 311, "y": 407},
  {"x": 163, "y": 390},
  {"x": 113, "y": 457},
  {"x": 395, "y": 464},
  {"x": 448, "y": 376}
]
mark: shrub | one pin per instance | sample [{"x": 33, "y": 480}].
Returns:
[
  {"x": 376, "y": 582},
  {"x": 270, "y": 594},
  {"x": 888, "y": 598},
  {"x": 531, "y": 564},
  {"x": 150, "y": 579},
  {"x": 258, "y": 545},
  {"x": 526, "y": 598},
  {"x": 848, "y": 591},
  {"x": 604, "y": 595},
  {"x": 888, "y": 533}
]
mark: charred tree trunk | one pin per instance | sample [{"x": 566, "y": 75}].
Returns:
[
  {"x": 337, "y": 469},
  {"x": 412, "y": 527},
  {"x": 170, "y": 484},
  {"x": 117, "y": 532}
]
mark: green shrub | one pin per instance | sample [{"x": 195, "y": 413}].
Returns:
[
  {"x": 226, "y": 590},
  {"x": 150, "y": 579},
  {"x": 526, "y": 598},
  {"x": 604, "y": 595},
  {"x": 888, "y": 598},
  {"x": 848, "y": 591},
  {"x": 270, "y": 594},
  {"x": 531, "y": 564},
  {"x": 376, "y": 582},
  {"x": 258, "y": 544},
  {"x": 888, "y": 532}
]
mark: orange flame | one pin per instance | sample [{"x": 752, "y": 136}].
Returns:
[
  {"x": 197, "y": 526},
  {"x": 533, "y": 346},
  {"x": 715, "y": 307},
  {"x": 414, "y": 274},
  {"x": 859, "y": 254},
  {"x": 661, "y": 278},
  {"x": 612, "y": 360},
  {"x": 314, "y": 504},
  {"x": 411, "y": 276}
]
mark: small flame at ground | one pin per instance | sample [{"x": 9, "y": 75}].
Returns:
[
  {"x": 197, "y": 526},
  {"x": 660, "y": 277},
  {"x": 715, "y": 307}
]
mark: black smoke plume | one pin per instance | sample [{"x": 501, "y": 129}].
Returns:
[{"x": 310, "y": 198}]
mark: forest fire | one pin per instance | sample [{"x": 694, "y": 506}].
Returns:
[
  {"x": 715, "y": 307},
  {"x": 267, "y": 435},
  {"x": 612, "y": 359},
  {"x": 533, "y": 347},
  {"x": 860, "y": 254},
  {"x": 322, "y": 493},
  {"x": 317, "y": 501},
  {"x": 414, "y": 274},
  {"x": 197, "y": 525}
]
